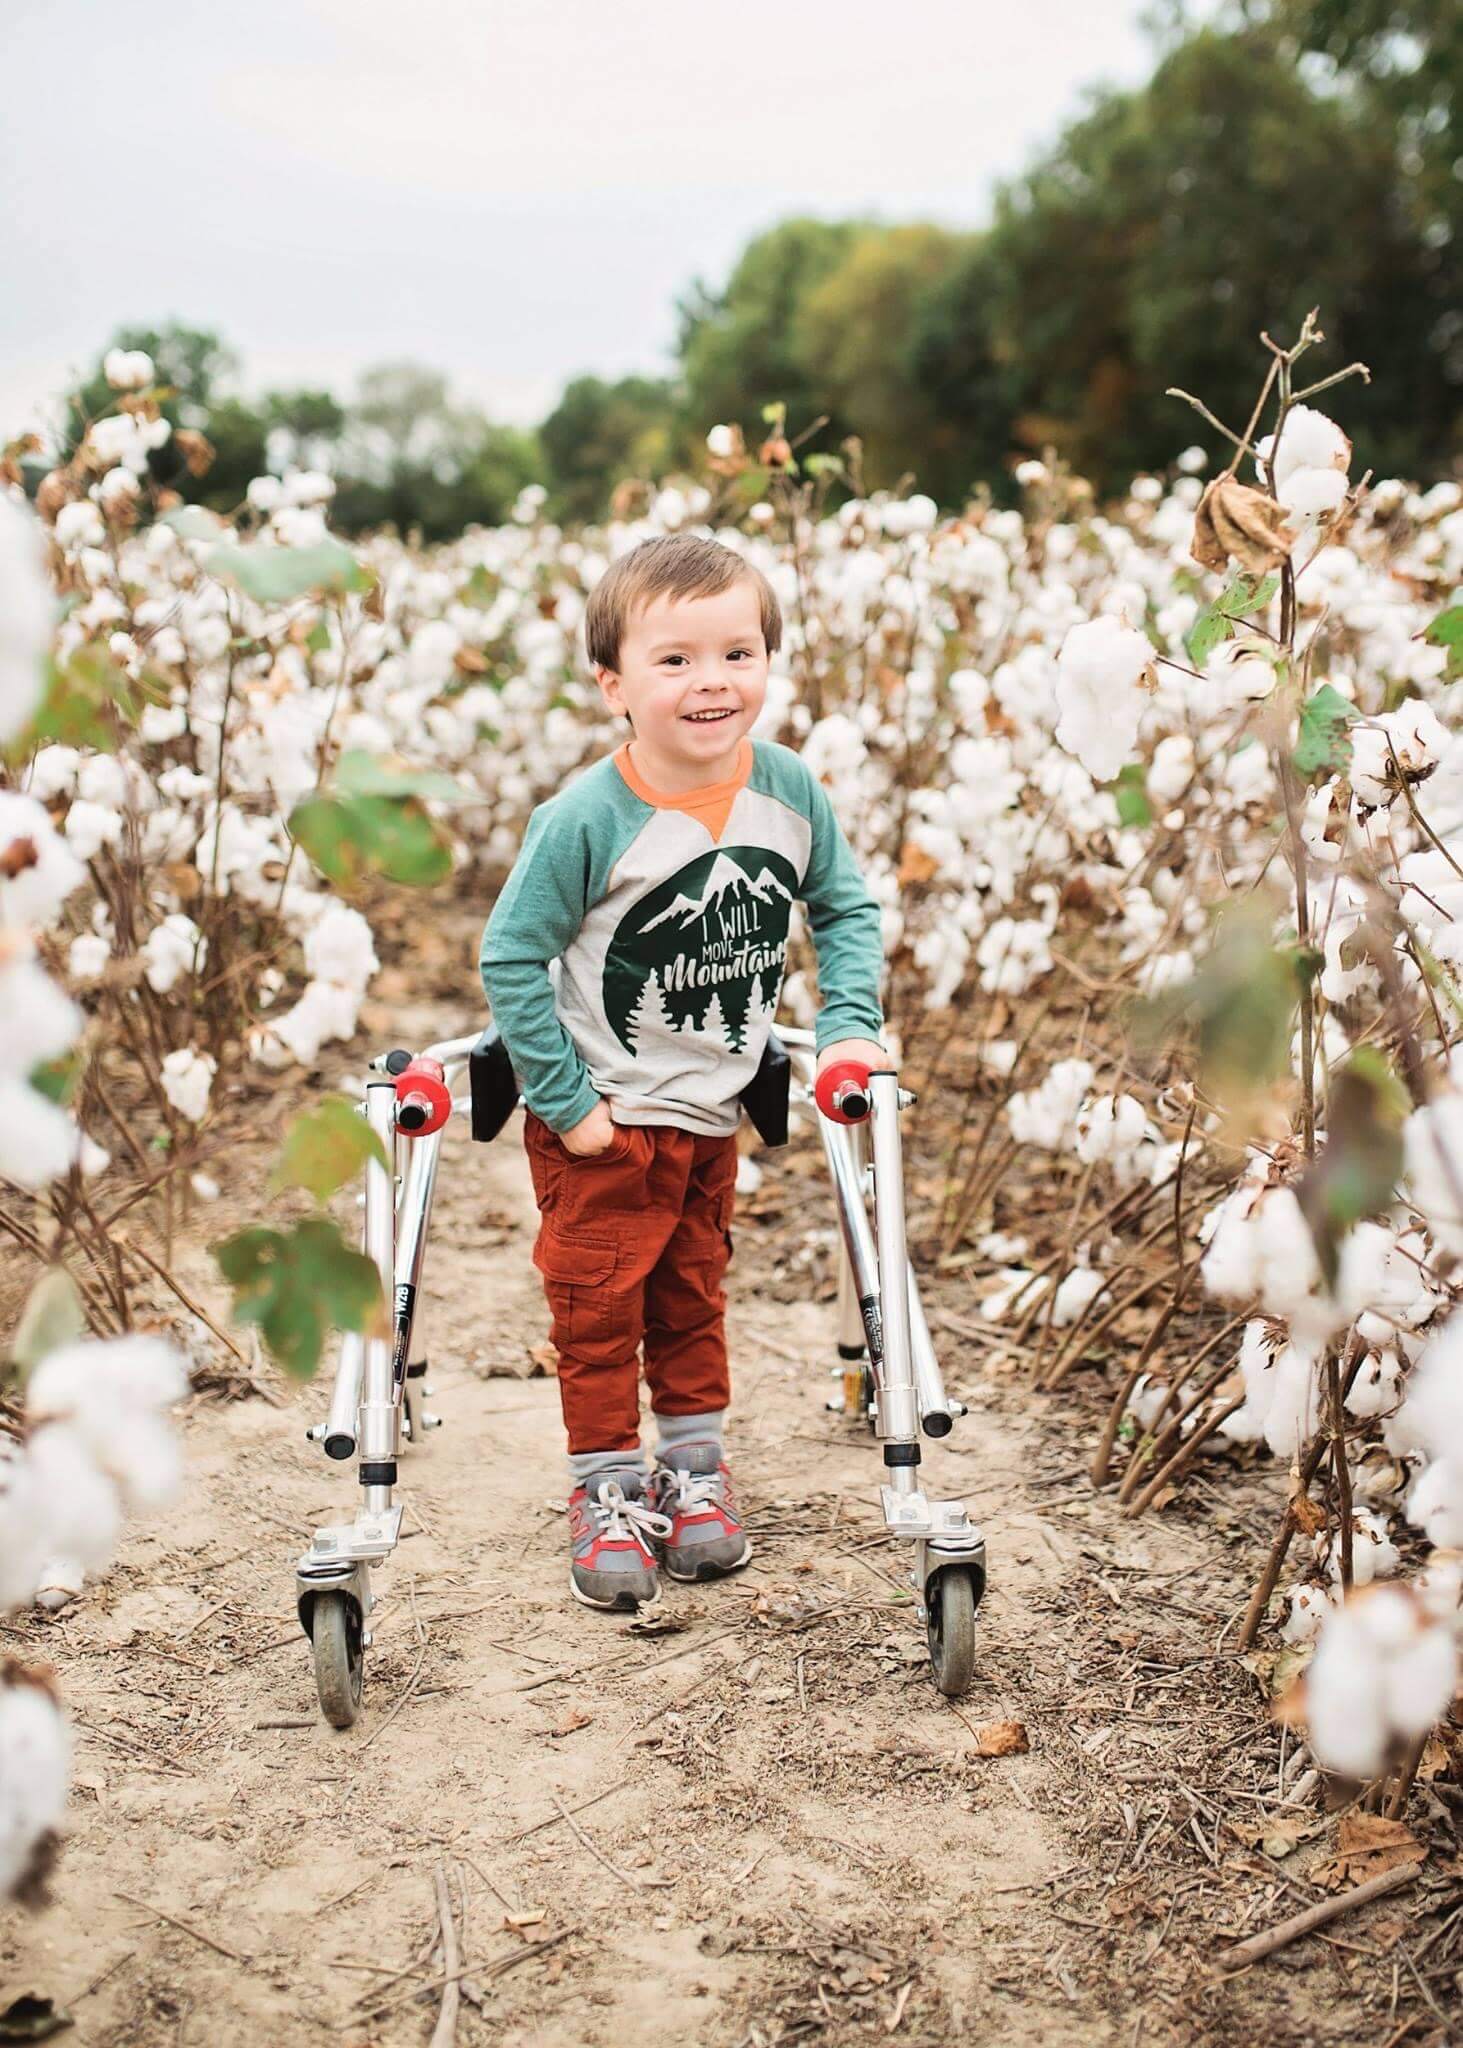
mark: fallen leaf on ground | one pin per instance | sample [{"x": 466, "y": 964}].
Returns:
[
  {"x": 1002, "y": 1738},
  {"x": 572, "y": 1720},
  {"x": 1367, "y": 1846}
]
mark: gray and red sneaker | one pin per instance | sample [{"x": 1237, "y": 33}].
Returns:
[
  {"x": 612, "y": 1535},
  {"x": 692, "y": 1488}
]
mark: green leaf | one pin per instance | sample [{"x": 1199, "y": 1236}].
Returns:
[
  {"x": 1209, "y": 629},
  {"x": 56, "y": 1079},
  {"x": 361, "y": 774},
  {"x": 351, "y": 837},
  {"x": 1242, "y": 597},
  {"x": 1446, "y": 630},
  {"x": 823, "y": 465},
  {"x": 1131, "y": 796},
  {"x": 1355, "y": 1175},
  {"x": 317, "y": 641},
  {"x": 296, "y": 1285},
  {"x": 86, "y": 704},
  {"x": 193, "y": 522},
  {"x": 52, "y": 1316},
  {"x": 275, "y": 575},
  {"x": 1322, "y": 742},
  {"x": 324, "y": 1148},
  {"x": 1240, "y": 1003}
]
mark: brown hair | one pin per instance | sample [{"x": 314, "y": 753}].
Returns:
[{"x": 674, "y": 564}]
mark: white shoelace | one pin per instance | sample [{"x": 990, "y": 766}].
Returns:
[
  {"x": 617, "y": 1516},
  {"x": 695, "y": 1490}
]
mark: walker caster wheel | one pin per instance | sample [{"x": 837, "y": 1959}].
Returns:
[
  {"x": 950, "y": 1602},
  {"x": 335, "y": 1632}
]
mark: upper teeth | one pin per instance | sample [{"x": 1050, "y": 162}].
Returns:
[{"x": 724, "y": 713}]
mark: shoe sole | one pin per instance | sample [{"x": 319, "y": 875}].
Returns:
[
  {"x": 622, "y": 1603},
  {"x": 705, "y": 1571}
]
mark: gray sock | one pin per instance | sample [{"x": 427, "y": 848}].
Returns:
[
  {"x": 584, "y": 1465},
  {"x": 688, "y": 1429}
]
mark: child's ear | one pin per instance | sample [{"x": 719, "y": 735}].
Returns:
[{"x": 609, "y": 689}]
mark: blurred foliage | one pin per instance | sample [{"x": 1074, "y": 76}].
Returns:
[{"x": 1285, "y": 154}]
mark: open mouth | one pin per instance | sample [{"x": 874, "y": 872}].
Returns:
[{"x": 707, "y": 717}]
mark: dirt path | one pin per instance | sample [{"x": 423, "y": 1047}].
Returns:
[{"x": 806, "y": 1842}]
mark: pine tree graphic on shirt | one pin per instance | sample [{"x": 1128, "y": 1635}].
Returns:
[{"x": 701, "y": 955}]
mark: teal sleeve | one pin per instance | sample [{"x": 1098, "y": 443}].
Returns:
[
  {"x": 540, "y": 909},
  {"x": 846, "y": 928}
]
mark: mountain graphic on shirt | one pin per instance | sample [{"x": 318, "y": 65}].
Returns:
[{"x": 695, "y": 965}]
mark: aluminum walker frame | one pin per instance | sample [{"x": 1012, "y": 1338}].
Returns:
[{"x": 889, "y": 1372}]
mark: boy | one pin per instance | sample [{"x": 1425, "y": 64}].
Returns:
[{"x": 633, "y": 963}]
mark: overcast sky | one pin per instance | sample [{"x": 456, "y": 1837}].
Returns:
[{"x": 512, "y": 190}]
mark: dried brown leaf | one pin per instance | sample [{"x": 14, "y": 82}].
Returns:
[
  {"x": 1002, "y": 1738},
  {"x": 1233, "y": 519}
]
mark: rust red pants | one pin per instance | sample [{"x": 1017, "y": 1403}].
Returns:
[{"x": 632, "y": 1245}]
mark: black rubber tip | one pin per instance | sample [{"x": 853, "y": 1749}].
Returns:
[
  {"x": 397, "y": 1061},
  {"x": 937, "y": 1423},
  {"x": 901, "y": 1454},
  {"x": 340, "y": 1446}
]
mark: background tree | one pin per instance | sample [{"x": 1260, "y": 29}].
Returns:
[{"x": 599, "y": 433}]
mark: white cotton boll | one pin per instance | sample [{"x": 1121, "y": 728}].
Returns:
[
  {"x": 1100, "y": 666},
  {"x": 83, "y": 1515},
  {"x": 1074, "y": 1294},
  {"x": 89, "y": 827},
  {"x": 722, "y": 442},
  {"x": 38, "y": 1141},
  {"x": 35, "y": 1763},
  {"x": 87, "y": 958},
  {"x": 27, "y": 614},
  {"x": 307, "y": 487},
  {"x": 169, "y": 951},
  {"x": 1418, "y": 1681},
  {"x": 1439, "y": 1588},
  {"x": 1309, "y": 1606},
  {"x": 1290, "y": 1421},
  {"x": 1046, "y": 1116},
  {"x": 1433, "y": 1152},
  {"x": 118, "y": 487},
  {"x": 1435, "y": 1503},
  {"x": 1345, "y": 1712},
  {"x": 339, "y": 948},
  {"x": 1374, "y": 1391},
  {"x": 1003, "y": 1245},
  {"x": 1313, "y": 493},
  {"x": 265, "y": 493},
  {"x": 187, "y": 1077},
  {"x": 1011, "y": 1281},
  {"x": 1172, "y": 768},
  {"x": 1373, "y": 1553},
  {"x": 1308, "y": 440},
  {"x": 162, "y": 723},
  {"x": 299, "y": 526},
  {"x": 52, "y": 771},
  {"x": 1418, "y": 738},
  {"x": 41, "y": 1021},
  {"x": 1012, "y": 954},
  {"x": 1112, "y": 1128},
  {"x": 22, "y": 1527},
  {"x": 1192, "y": 460},
  {"x": 205, "y": 1187},
  {"x": 102, "y": 779},
  {"x": 79, "y": 525},
  {"x": 128, "y": 369},
  {"x": 61, "y": 1581},
  {"x": 143, "y": 1457},
  {"x": 1146, "y": 1399},
  {"x": 324, "y": 1011},
  {"x": 429, "y": 658}
]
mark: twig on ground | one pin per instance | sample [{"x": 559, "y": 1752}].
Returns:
[
  {"x": 1259, "y": 1946},
  {"x": 625, "y": 1876},
  {"x": 445, "y": 2031}
]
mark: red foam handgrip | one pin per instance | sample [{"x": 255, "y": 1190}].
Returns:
[
  {"x": 423, "y": 1100},
  {"x": 836, "y": 1084}
]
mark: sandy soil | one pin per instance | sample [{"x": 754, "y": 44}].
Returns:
[{"x": 782, "y": 1832}]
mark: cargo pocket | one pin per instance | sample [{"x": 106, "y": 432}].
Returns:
[{"x": 578, "y": 1272}]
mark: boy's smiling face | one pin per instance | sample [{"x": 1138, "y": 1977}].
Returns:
[{"x": 680, "y": 657}]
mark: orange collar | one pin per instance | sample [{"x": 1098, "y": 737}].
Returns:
[{"x": 711, "y": 803}]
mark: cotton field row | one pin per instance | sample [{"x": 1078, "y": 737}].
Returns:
[{"x": 1245, "y": 691}]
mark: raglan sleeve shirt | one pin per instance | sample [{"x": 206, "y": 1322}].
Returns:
[
  {"x": 539, "y": 910},
  {"x": 636, "y": 950}
]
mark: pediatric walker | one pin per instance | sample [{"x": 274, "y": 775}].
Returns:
[{"x": 889, "y": 1373}]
